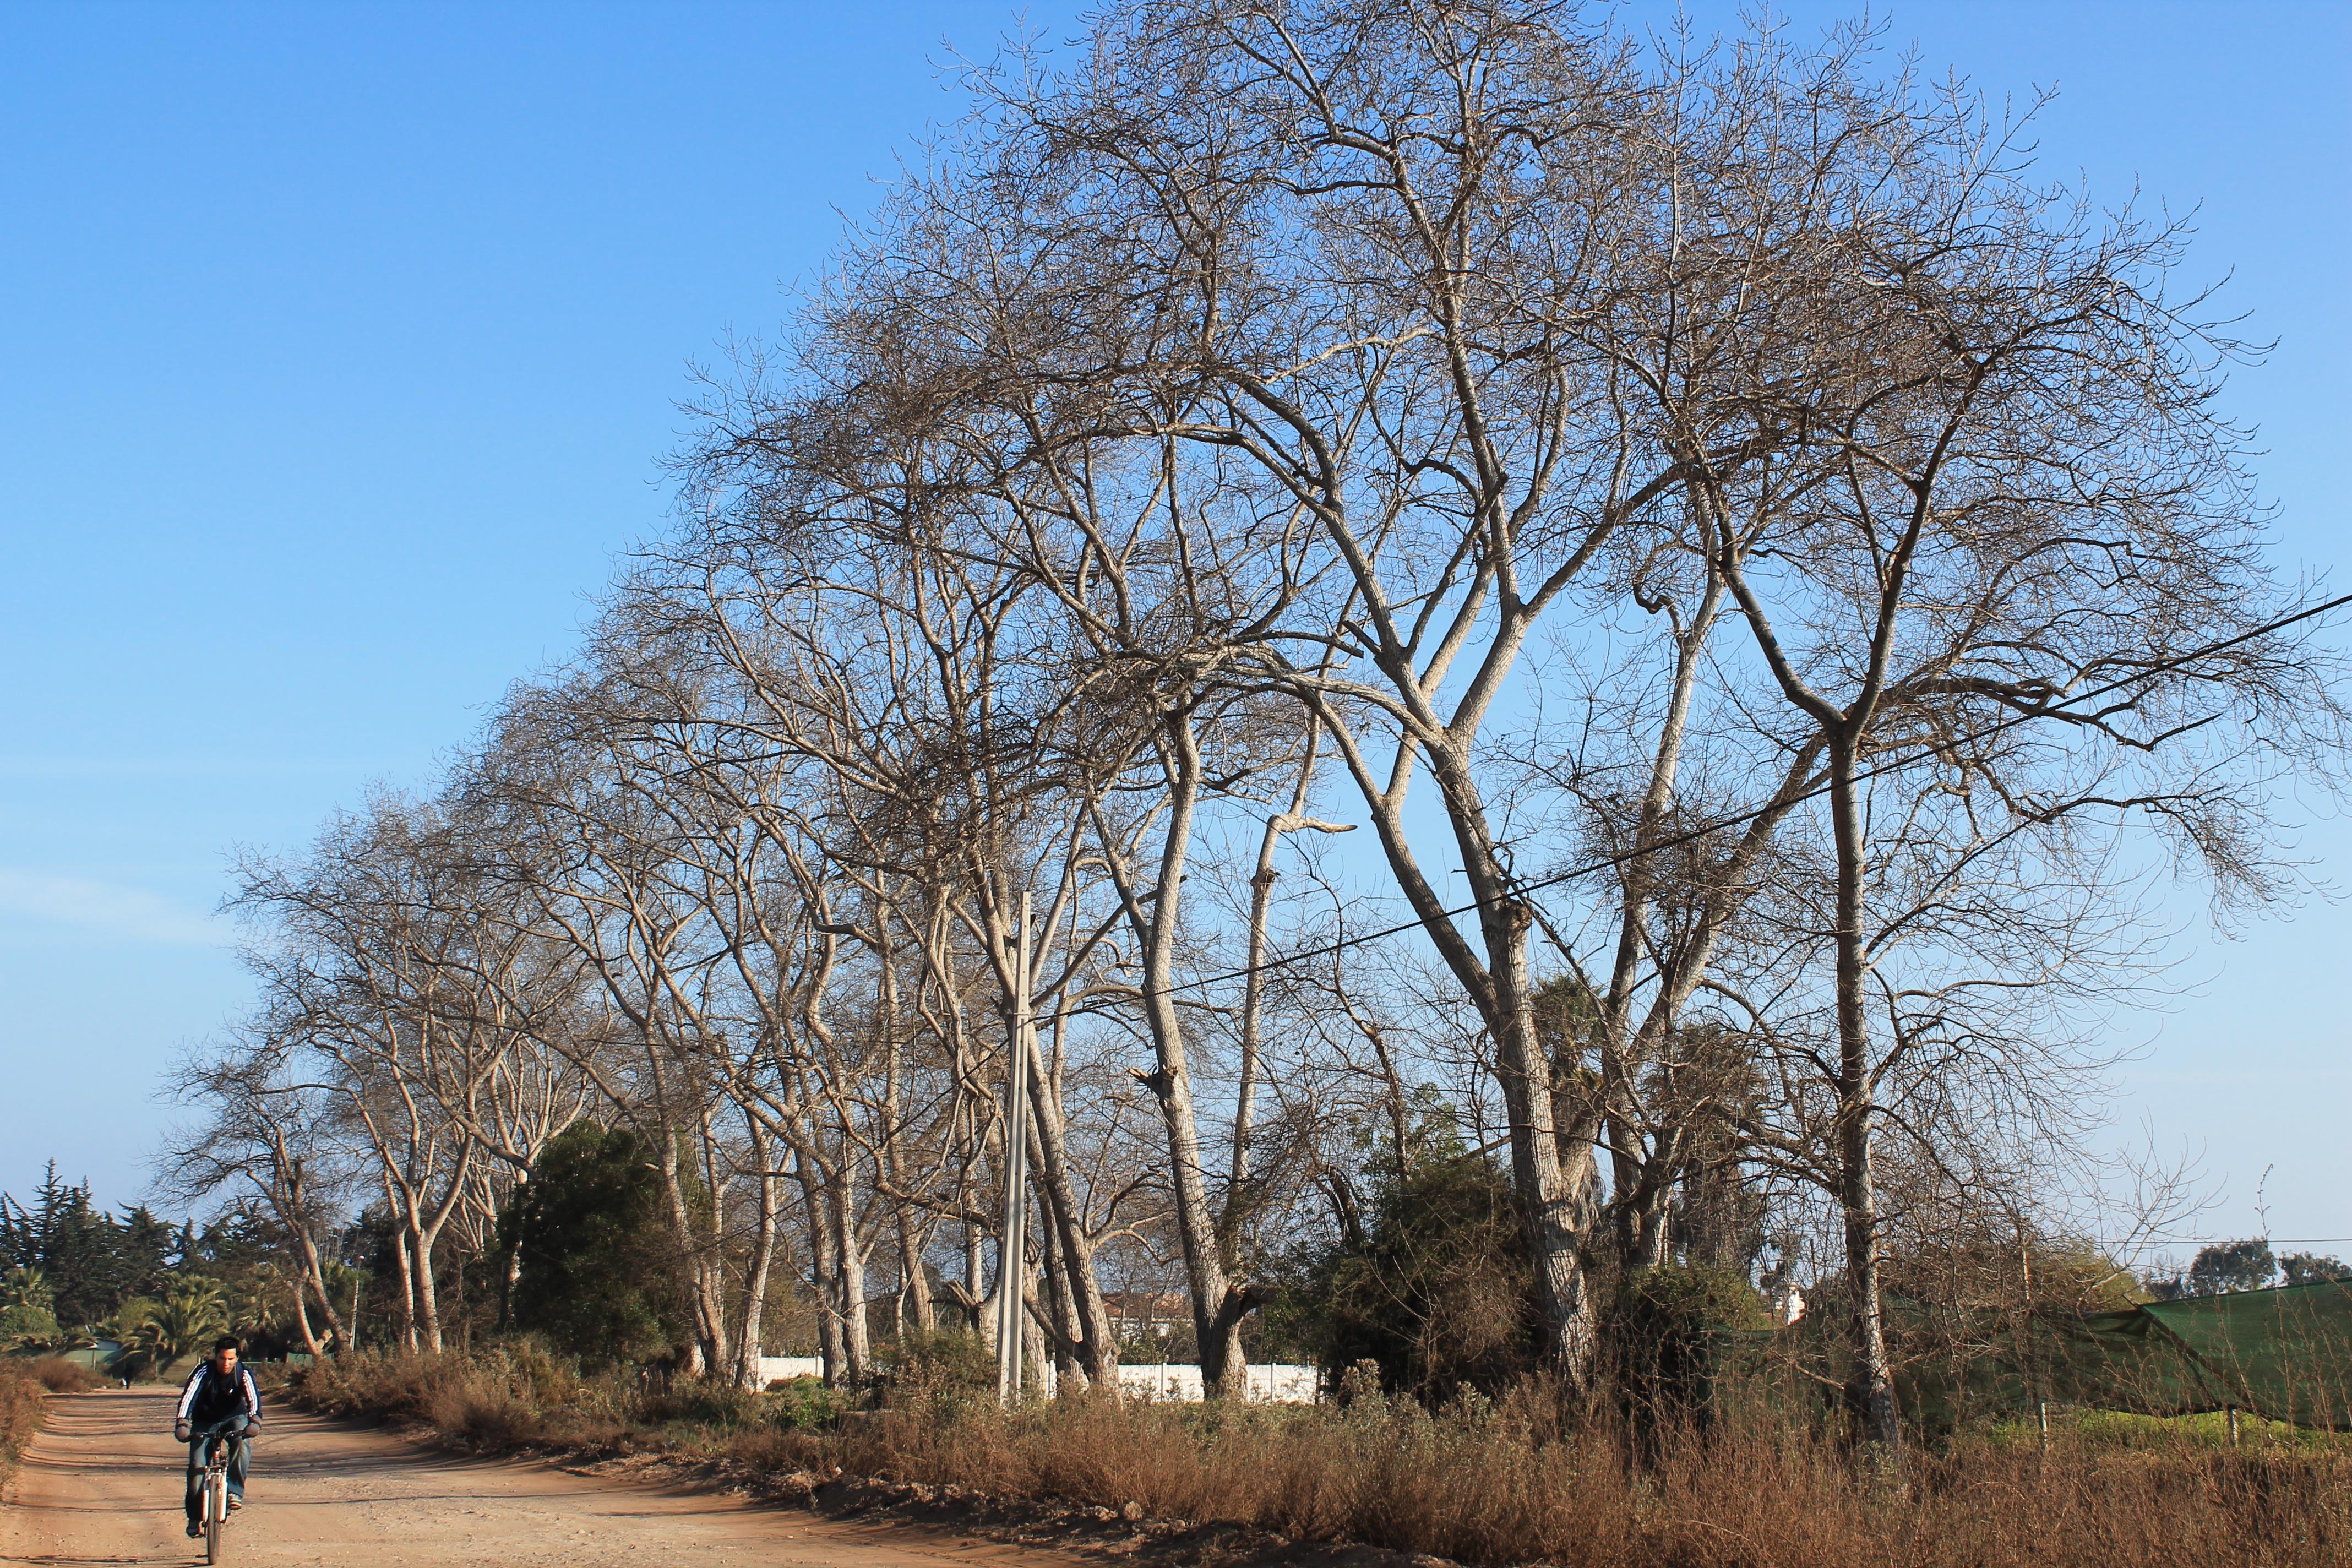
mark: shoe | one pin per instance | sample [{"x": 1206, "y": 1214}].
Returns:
[
  {"x": 196, "y": 1531},
  {"x": 235, "y": 1502}
]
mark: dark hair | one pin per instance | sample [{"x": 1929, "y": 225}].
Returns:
[{"x": 228, "y": 1342}]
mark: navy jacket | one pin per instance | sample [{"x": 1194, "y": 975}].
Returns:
[{"x": 210, "y": 1397}]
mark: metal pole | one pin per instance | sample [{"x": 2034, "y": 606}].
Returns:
[{"x": 1011, "y": 1256}]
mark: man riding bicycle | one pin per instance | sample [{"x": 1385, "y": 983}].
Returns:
[{"x": 220, "y": 1400}]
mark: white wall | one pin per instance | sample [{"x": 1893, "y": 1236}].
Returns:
[
  {"x": 784, "y": 1368},
  {"x": 1182, "y": 1383}
]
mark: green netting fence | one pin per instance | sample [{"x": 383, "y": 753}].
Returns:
[{"x": 2285, "y": 1354}]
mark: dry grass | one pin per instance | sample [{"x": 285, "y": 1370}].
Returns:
[
  {"x": 517, "y": 1395},
  {"x": 58, "y": 1374},
  {"x": 1486, "y": 1485},
  {"x": 24, "y": 1386},
  {"x": 1480, "y": 1487},
  {"x": 504, "y": 1398}
]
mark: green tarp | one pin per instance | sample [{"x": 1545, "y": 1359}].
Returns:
[{"x": 2285, "y": 1354}]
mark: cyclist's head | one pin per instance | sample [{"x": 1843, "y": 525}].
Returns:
[{"x": 225, "y": 1351}]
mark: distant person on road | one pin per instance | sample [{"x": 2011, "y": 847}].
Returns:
[{"x": 220, "y": 1399}]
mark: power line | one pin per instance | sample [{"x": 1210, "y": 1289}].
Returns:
[{"x": 1740, "y": 819}]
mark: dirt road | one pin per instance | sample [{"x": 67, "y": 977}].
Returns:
[{"x": 101, "y": 1485}]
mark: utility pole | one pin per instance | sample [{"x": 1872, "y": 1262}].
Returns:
[{"x": 1012, "y": 1253}]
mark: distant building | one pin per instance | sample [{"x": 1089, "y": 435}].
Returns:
[{"x": 1146, "y": 1314}]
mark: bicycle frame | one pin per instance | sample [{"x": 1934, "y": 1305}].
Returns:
[{"x": 216, "y": 1492}]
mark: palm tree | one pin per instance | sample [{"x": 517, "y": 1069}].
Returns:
[
  {"x": 27, "y": 1287},
  {"x": 26, "y": 1320},
  {"x": 251, "y": 1309},
  {"x": 123, "y": 1328},
  {"x": 191, "y": 1309}
]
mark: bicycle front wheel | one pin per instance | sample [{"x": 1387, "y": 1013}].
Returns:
[{"x": 216, "y": 1513}]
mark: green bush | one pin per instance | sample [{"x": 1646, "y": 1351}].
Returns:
[
  {"x": 700, "y": 1402},
  {"x": 938, "y": 1365},
  {"x": 807, "y": 1405},
  {"x": 1668, "y": 1332},
  {"x": 598, "y": 1275},
  {"x": 1437, "y": 1291},
  {"x": 27, "y": 1325}
]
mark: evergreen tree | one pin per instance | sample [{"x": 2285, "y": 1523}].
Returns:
[
  {"x": 2313, "y": 1268},
  {"x": 91, "y": 1261},
  {"x": 599, "y": 1275}
]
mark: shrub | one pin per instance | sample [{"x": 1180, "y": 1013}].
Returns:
[
  {"x": 20, "y": 1415},
  {"x": 1496, "y": 1481},
  {"x": 1668, "y": 1333},
  {"x": 598, "y": 1271},
  {"x": 59, "y": 1375},
  {"x": 700, "y": 1402},
  {"x": 26, "y": 1323},
  {"x": 1436, "y": 1292},
  {"x": 938, "y": 1367},
  {"x": 24, "y": 1386},
  {"x": 807, "y": 1405}
]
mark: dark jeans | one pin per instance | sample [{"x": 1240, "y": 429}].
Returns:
[{"x": 233, "y": 1426}]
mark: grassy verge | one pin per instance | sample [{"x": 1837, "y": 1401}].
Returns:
[
  {"x": 1482, "y": 1484},
  {"x": 24, "y": 1386}
]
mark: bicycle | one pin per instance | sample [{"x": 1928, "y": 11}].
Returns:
[{"x": 216, "y": 1492}]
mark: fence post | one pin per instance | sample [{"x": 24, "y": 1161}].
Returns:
[
  {"x": 2041, "y": 1414},
  {"x": 2233, "y": 1426}
]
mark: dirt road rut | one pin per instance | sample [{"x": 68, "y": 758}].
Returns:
[{"x": 101, "y": 1485}]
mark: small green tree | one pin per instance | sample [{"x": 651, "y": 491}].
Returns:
[
  {"x": 598, "y": 1269},
  {"x": 2232, "y": 1266},
  {"x": 1437, "y": 1294},
  {"x": 1668, "y": 1333},
  {"x": 2312, "y": 1268},
  {"x": 26, "y": 1327}
]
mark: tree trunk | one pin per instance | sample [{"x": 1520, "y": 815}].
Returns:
[
  {"x": 1032, "y": 1337},
  {"x": 849, "y": 1265},
  {"x": 407, "y": 1289},
  {"x": 1065, "y": 1334},
  {"x": 1098, "y": 1354},
  {"x": 1222, "y": 1373},
  {"x": 762, "y": 1259},
  {"x": 1554, "y": 1165},
  {"x": 831, "y": 1343},
  {"x": 1870, "y": 1389},
  {"x": 1553, "y": 1168},
  {"x": 302, "y": 1318},
  {"x": 428, "y": 1297},
  {"x": 915, "y": 1311},
  {"x": 314, "y": 1271},
  {"x": 706, "y": 1350},
  {"x": 975, "y": 1273}
]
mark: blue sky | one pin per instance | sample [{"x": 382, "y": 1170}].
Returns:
[{"x": 339, "y": 347}]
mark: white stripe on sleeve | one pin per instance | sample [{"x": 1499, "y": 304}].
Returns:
[{"x": 188, "y": 1394}]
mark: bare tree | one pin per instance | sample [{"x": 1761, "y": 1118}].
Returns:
[
  {"x": 2001, "y": 567},
  {"x": 264, "y": 1137}
]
